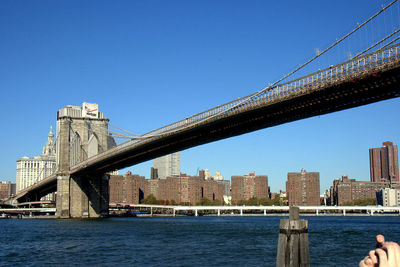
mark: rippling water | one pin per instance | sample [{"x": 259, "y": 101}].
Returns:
[{"x": 184, "y": 241}]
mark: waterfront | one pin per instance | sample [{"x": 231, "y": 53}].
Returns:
[{"x": 184, "y": 241}]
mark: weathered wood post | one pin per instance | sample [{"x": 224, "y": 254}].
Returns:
[{"x": 293, "y": 241}]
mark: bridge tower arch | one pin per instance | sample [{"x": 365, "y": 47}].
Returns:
[{"x": 81, "y": 134}]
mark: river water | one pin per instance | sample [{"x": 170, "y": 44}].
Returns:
[{"x": 184, "y": 241}]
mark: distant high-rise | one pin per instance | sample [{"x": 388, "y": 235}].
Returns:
[
  {"x": 207, "y": 174},
  {"x": 168, "y": 166},
  {"x": 153, "y": 173},
  {"x": 32, "y": 170},
  {"x": 384, "y": 163},
  {"x": 303, "y": 188}
]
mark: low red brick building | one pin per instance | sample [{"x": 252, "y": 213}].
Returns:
[
  {"x": 347, "y": 190},
  {"x": 185, "y": 189}
]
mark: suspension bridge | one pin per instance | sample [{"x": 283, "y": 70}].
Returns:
[{"x": 372, "y": 75}]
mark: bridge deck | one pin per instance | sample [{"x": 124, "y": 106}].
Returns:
[{"x": 357, "y": 82}]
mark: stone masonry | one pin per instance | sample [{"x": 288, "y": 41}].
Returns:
[{"x": 79, "y": 137}]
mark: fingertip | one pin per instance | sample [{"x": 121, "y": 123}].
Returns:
[
  {"x": 365, "y": 262},
  {"x": 380, "y": 239}
]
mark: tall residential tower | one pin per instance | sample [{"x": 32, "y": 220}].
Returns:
[{"x": 384, "y": 163}]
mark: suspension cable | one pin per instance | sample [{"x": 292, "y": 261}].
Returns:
[
  {"x": 377, "y": 43},
  {"x": 278, "y": 81},
  {"x": 120, "y": 135},
  {"x": 309, "y": 61},
  {"x": 113, "y": 125},
  {"x": 386, "y": 45},
  {"x": 334, "y": 44}
]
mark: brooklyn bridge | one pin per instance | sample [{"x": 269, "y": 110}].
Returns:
[{"x": 85, "y": 156}]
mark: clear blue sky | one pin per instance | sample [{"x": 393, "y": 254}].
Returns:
[{"x": 151, "y": 63}]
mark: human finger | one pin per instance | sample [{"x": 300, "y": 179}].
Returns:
[
  {"x": 373, "y": 257},
  {"x": 366, "y": 262},
  {"x": 380, "y": 239},
  {"x": 393, "y": 252},
  {"x": 383, "y": 258}
]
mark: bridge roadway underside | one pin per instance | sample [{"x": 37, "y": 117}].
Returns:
[
  {"x": 349, "y": 94},
  {"x": 44, "y": 187}
]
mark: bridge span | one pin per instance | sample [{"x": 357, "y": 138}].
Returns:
[
  {"x": 360, "y": 81},
  {"x": 371, "y": 78}
]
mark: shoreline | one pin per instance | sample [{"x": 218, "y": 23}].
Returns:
[
  {"x": 213, "y": 215},
  {"x": 267, "y": 215}
]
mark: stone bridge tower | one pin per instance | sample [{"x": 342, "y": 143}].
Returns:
[{"x": 81, "y": 134}]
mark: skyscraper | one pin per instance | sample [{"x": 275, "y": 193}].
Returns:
[
  {"x": 168, "y": 166},
  {"x": 384, "y": 163},
  {"x": 32, "y": 170}
]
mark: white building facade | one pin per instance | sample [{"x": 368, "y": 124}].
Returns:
[
  {"x": 389, "y": 197},
  {"x": 168, "y": 166},
  {"x": 33, "y": 170}
]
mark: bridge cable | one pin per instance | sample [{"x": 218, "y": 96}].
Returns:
[
  {"x": 117, "y": 135},
  {"x": 386, "y": 45},
  {"x": 308, "y": 62},
  {"x": 381, "y": 41},
  {"x": 245, "y": 99},
  {"x": 334, "y": 44},
  {"x": 113, "y": 125},
  {"x": 120, "y": 135}
]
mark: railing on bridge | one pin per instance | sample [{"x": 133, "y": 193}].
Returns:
[{"x": 355, "y": 68}]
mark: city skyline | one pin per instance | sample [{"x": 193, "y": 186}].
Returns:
[{"x": 153, "y": 75}]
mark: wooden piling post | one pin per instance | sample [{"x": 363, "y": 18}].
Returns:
[{"x": 293, "y": 241}]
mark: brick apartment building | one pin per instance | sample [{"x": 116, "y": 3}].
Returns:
[
  {"x": 384, "y": 163},
  {"x": 248, "y": 186},
  {"x": 7, "y": 189},
  {"x": 303, "y": 188},
  {"x": 127, "y": 189},
  {"x": 185, "y": 189},
  {"x": 347, "y": 190}
]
